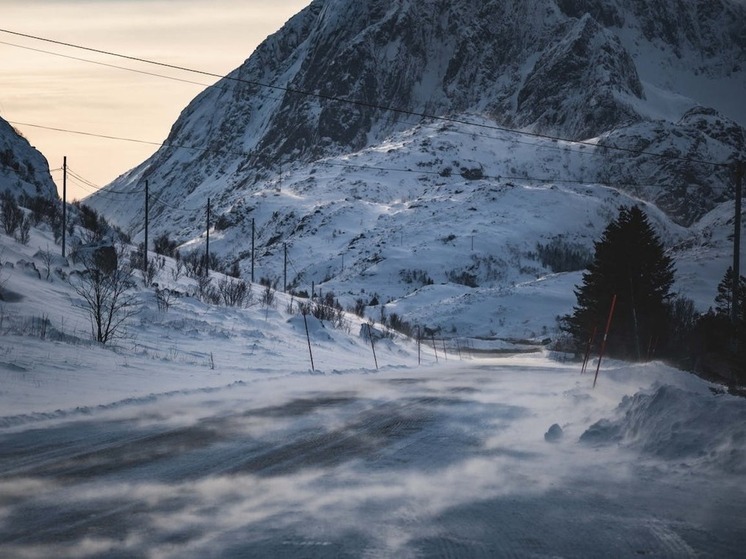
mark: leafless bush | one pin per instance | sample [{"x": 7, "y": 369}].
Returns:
[
  {"x": 269, "y": 298},
  {"x": 153, "y": 270},
  {"x": 46, "y": 257},
  {"x": 178, "y": 270},
  {"x": 204, "y": 288},
  {"x": 104, "y": 296},
  {"x": 11, "y": 215},
  {"x": 234, "y": 292},
  {"x": 330, "y": 310},
  {"x": 24, "y": 230},
  {"x": 163, "y": 298}
]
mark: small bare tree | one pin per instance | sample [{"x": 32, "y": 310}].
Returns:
[
  {"x": 24, "y": 230},
  {"x": 163, "y": 299},
  {"x": 104, "y": 287},
  {"x": 268, "y": 297},
  {"x": 234, "y": 292},
  {"x": 11, "y": 214},
  {"x": 47, "y": 257}
]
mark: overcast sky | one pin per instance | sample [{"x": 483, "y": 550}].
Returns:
[{"x": 48, "y": 90}]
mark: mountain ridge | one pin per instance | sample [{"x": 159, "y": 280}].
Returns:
[{"x": 262, "y": 155}]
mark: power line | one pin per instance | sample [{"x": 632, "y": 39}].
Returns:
[
  {"x": 101, "y": 190},
  {"x": 91, "y": 134},
  {"x": 218, "y": 86},
  {"x": 94, "y": 188},
  {"x": 89, "y": 61},
  {"x": 363, "y": 104},
  {"x": 124, "y": 139}
]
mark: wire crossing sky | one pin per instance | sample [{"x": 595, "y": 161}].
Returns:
[{"x": 61, "y": 92}]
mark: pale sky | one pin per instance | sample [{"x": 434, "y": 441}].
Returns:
[{"x": 43, "y": 89}]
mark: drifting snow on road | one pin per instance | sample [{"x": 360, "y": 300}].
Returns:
[{"x": 450, "y": 461}]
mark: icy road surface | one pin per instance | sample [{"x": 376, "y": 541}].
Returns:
[{"x": 435, "y": 462}]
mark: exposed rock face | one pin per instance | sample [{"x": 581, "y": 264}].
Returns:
[
  {"x": 690, "y": 180},
  {"x": 23, "y": 170},
  {"x": 570, "y": 68},
  {"x": 579, "y": 84}
]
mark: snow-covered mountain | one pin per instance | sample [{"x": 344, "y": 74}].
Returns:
[
  {"x": 23, "y": 169},
  {"x": 301, "y": 140}
]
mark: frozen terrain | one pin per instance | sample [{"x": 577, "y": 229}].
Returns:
[{"x": 205, "y": 433}]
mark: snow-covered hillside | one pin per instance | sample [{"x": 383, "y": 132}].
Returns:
[
  {"x": 436, "y": 223},
  {"x": 379, "y": 205},
  {"x": 204, "y": 432},
  {"x": 572, "y": 69}
]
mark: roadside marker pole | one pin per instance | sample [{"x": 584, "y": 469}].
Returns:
[
  {"x": 588, "y": 350},
  {"x": 372, "y": 345},
  {"x": 308, "y": 339},
  {"x": 606, "y": 335}
]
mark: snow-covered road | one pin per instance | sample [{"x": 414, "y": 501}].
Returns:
[{"x": 449, "y": 461}]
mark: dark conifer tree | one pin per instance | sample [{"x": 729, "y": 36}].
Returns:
[
  {"x": 724, "y": 297},
  {"x": 629, "y": 262},
  {"x": 719, "y": 344}
]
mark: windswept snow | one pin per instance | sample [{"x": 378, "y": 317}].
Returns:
[{"x": 205, "y": 433}]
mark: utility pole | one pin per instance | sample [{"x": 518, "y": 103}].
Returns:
[
  {"x": 285, "y": 273},
  {"x": 252, "y": 249},
  {"x": 737, "y": 244},
  {"x": 207, "y": 248},
  {"x": 145, "y": 250},
  {"x": 64, "y": 203}
]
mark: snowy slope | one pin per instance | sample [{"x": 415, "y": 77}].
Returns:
[
  {"x": 376, "y": 205},
  {"x": 205, "y": 433},
  {"x": 389, "y": 220},
  {"x": 573, "y": 69}
]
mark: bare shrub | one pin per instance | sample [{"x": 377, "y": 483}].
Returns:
[
  {"x": 269, "y": 298},
  {"x": 154, "y": 269},
  {"x": 163, "y": 298},
  {"x": 234, "y": 292},
  {"x": 11, "y": 214},
  {"x": 330, "y": 310},
  {"x": 24, "y": 230},
  {"x": 164, "y": 246},
  {"x": 105, "y": 297},
  {"x": 177, "y": 270}
]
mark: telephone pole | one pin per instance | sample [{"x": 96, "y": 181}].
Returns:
[
  {"x": 64, "y": 203},
  {"x": 145, "y": 250},
  {"x": 735, "y": 311},
  {"x": 207, "y": 248},
  {"x": 252, "y": 249},
  {"x": 285, "y": 268}
]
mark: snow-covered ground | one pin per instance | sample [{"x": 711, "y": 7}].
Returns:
[{"x": 205, "y": 433}]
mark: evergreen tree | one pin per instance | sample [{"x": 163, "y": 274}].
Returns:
[
  {"x": 629, "y": 262},
  {"x": 724, "y": 297}
]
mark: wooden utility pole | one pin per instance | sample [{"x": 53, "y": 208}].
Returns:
[
  {"x": 64, "y": 203},
  {"x": 285, "y": 269},
  {"x": 252, "y": 249},
  {"x": 735, "y": 311},
  {"x": 207, "y": 248},
  {"x": 145, "y": 250}
]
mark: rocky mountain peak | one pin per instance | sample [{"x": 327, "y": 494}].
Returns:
[
  {"x": 579, "y": 84},
  {"x": 326, "y": 83},
  {"x": 23, "y": 169}
]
